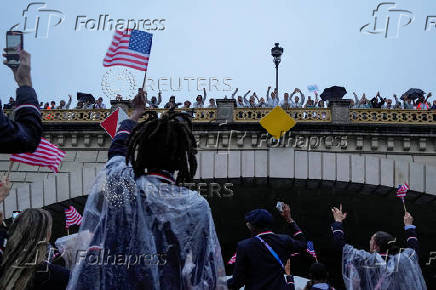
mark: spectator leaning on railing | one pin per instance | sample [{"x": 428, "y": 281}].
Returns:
[
  {"x": 375, "y": 103},
  {"x": 274, "y": 100},
  {"x": 63, "y": 105},
  {"x": 11, "y": 105},
  {"x": 239, "y": 101},
  {"x": 298, "y": 103},
  {"x": 212, "y": 103},
  {"x": 172, "y": 103},
  {"x": 200, "y": 100},
  {"x": 99, "y": 104},
  {"x": 24, "y": 133},
  {"x": 154, "y": 103}
]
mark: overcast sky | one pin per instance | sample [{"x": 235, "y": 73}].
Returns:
[{"x": 232, "y": 40}]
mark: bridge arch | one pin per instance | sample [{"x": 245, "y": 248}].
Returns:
[{"x": 286, "y": 164}]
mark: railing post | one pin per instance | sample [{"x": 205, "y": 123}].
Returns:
[
  {"x": 224, "y": 111},
  {"x": 340, "y": 110},
  {"x": 123, "y": 104}
]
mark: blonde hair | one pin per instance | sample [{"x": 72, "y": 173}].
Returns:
[{"x": 26, "y": 248}]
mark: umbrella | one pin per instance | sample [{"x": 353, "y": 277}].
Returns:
[
  {"x": 86, "y": 98},
  {"x": 333, "y": 93},
  {"x": 413, "y": 94}
]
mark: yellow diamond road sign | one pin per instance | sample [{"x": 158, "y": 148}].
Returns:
[{"x": 277, "y": 122}]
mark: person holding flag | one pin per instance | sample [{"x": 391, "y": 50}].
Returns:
[
  {"x": 402, "y": 192},
  {"x": 139, "y": 209},
  {"x": 130, "y": 48},
  {"x": 385, "y": 266},
  {"x": 72, "y": 217},
  {"x": 311, "y": 250}
]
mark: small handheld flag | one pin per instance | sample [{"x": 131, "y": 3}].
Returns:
[
  {"x": 46, "y": 155},
  {"x": 72, "y": 217},
  {"x": 129, "y": 48},
  {"x": 401, "y": 193},
  {"x": 311, "y": 250},
  {"x": 232, "y": 260},
  {"x": 112, "y": 123},
  {"x": 312, "y": 88}
]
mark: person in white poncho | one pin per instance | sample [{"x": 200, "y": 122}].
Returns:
[{"x": 146, "y": 230}]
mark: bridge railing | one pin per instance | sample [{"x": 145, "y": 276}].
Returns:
[
  {"x": 249, "y": 115},
  {"x": 300, "y": 115},
  {"x": 384, "y": 116}
]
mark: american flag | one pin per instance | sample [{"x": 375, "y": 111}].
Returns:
[
  {"x": 72, "y": 217},
  {"x": 129, "y": 48},
  {"x": 402, "y": 190},
  {"x": 232, "y": 260},
  {"x": 46, "y": 155},
  {"x": 311, "y": 250}
]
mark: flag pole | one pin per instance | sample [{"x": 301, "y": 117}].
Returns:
[
  {"x": 11, "y": 163},
  {"x": 68, "y": 231},
  {"x": 145, "y": 80},
  {"x": 404, "y": 206}
]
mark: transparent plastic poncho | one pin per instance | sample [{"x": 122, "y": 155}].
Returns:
[
  {"x": 145, "y": 234},
  {"x": 363, "y": 270}
]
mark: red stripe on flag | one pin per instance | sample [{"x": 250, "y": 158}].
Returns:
[
  {"x": 72, "y": 217},
  {"x": 45, "y": 155},
  {"x": 120, "y": 47},
  {"x": 128, "y": 65},
  {"x": 127, "y": 53}
]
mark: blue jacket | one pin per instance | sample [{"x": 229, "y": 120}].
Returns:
[
  {"x": 255, "y": 266},
  {"x": 24, "y": 133}
]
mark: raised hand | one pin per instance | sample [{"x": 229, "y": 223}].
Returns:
[
  {"x": 138, "y": 105},
  {"x": 288, "y": 267},
  {"x": 338, "y": 215},
  {"x": 286, "y": 213},
  {"x": 5, "y": 187},
  {"x": 408, "y": 219},
  {"x": 22, "y": 72}
]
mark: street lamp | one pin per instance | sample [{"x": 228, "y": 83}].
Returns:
[{"x": 277, "y": 52}]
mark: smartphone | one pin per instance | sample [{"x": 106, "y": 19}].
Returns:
[
  {"x": 15, "y": 214},
  {"x": 279, "y": 206},
  {"x": 14, "y": 44}
]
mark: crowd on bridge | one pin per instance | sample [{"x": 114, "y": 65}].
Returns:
[
  {"x": 249, "y": 99},
  {"x": 141, "y": 207}
]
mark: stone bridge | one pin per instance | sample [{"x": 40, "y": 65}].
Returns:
[{"x": 370, "y": 151}]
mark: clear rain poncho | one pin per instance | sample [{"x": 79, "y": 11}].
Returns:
[
  {"x": 363, "y": 270},
  {"x": 145, "y": 234}
]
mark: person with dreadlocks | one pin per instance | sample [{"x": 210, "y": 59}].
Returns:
[{"x": 162, "y": 233}]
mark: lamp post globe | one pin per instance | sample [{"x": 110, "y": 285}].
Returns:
[{"x": 276, "y": 53}]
